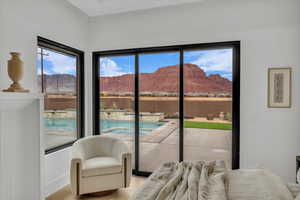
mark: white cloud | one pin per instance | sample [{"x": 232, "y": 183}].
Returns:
[
  {"x": 228, "y": 76},
  {"x": 109, "y": 68},
  {"x": 214, "y": 60},
  {"x": 61, "y": 64}
]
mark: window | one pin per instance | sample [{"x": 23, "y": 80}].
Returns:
[
  {"x": 61, "y": 80},
  {"x": 170, "y": 103}
]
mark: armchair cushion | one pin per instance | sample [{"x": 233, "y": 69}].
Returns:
[{"x": 101, "y": 166}]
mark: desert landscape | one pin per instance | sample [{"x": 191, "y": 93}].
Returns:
[{"x": 159, "y": 92}]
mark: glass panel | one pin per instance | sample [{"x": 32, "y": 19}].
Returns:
[
  {"x": 208, "y": 105},
  {"x": 159, "y": 108},
  {"x": 58, "y": 80},
  {"x": 117, "y": 113}
]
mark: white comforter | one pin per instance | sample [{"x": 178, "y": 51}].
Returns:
[
  {"x": 211, "y": 181},
  {"x": 185, "y": 181}
]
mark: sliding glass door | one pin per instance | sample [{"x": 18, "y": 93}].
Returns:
[
  {"x": 170, "y": 103},
  {"x": 208, "y": 104},
  {"x": 117, "y": 97},
  {"x": 159, "y": 109}
]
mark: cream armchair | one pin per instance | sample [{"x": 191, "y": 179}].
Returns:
[{"x": 99, "y": 163}]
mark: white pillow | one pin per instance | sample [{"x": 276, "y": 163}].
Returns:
[{"x": 254, "y": 184}]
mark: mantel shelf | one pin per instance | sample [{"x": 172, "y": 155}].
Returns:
[
  {"x": 15, "y": 101},
  {"x": 19, "y": 96}
]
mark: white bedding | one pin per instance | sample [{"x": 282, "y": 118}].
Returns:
[
  {"x": 256, "y": 184},
  {"x": 185, "y": 181},
  {"x": 211, "y": 181}
]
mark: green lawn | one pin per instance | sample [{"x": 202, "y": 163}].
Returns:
[{"x": 208, "y": 125}]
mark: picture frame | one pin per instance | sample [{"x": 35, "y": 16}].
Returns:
[{"x": 279, "y": 87}]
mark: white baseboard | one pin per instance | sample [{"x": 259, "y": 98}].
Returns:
[{"x": 57, "y": 184}]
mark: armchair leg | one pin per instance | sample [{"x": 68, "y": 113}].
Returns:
[
  {"x": 125, "y": 172},
  {"x": 77, "y": 182}
]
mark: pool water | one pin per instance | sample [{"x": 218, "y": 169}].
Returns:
[
  {"x": 127, "y": 127},
  {"x": 60, "y": 124},
  {"x": 107, "y": 126}
]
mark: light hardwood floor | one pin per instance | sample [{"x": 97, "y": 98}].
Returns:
[{"x": 121, "y": 194}]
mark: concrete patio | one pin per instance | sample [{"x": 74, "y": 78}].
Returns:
[
  {"x": 199, "y": 144},
  {"x": 161, "y": 145}
]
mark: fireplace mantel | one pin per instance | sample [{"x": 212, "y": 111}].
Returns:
[
  {"x": 21, "y": 146},
  {"x": 15, "y": 101}
]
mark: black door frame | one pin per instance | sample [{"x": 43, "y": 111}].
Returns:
[{"x": 235, "y": 45}]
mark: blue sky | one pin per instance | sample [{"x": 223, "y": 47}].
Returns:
[
  {"x": 211, "y": 61},
  {"x": 56, "y": 63}
]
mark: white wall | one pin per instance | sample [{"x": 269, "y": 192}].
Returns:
[
  {"x": 57, "y": 166},
  {"x": 269, "y": 32},
  {"x": 20, "y": 24}
]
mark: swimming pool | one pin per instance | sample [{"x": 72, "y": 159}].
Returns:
[
  {"x": 107, "y": 126},
  {"x": 60, "y": 124},
  {"x": 127, "y": 127}
]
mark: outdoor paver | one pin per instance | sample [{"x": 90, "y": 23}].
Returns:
[
  {"x": 151, "y": 160},
  {"x": 202, "y": 137},
  {"x": 199, "y": 144},
  {"x": 157, "y": 156},
  {"x": 208, "y": 138}
]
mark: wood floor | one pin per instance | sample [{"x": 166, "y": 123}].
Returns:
[{"x": 121, "y": 194}]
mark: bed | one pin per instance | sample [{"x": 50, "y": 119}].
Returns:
[{"x": 202, "y": 180}]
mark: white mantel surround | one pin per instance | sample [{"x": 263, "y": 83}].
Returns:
[{"x": 21, "y": 146}]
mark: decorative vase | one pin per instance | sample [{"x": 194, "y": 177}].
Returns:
[{"x": 15, "y": 73}]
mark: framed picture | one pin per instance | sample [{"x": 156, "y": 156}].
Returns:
[{"x": 279, "y": 87}]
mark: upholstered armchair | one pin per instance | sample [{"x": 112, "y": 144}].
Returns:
[{"x": 99, "y": 163}]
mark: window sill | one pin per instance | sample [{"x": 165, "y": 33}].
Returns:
[{"x": 58, "y": 148}]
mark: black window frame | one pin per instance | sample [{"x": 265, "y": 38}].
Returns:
[
  {"x": 235, "y": 45},
  {"x": 64, "y": 49}
]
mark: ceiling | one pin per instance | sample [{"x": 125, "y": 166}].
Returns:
[{"x": 106, "y": 7}]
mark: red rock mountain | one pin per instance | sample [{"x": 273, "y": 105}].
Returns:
[
  {"x": 166, "y": 80},
  {"x": 59, "y": 83}
]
